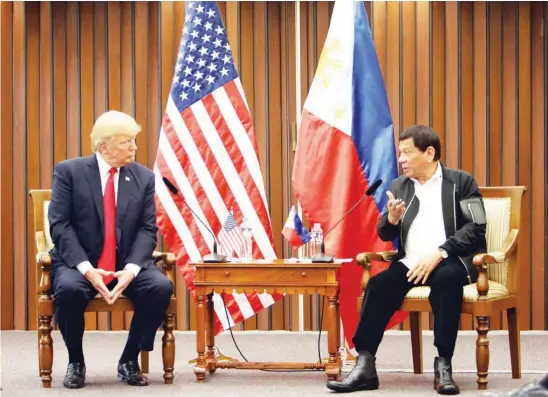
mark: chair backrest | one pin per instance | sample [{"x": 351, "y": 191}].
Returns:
[
  {"x": 503, "y": 208},
  {"x": 40, "y": 200}
]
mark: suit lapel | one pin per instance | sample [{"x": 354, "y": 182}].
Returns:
[{"x": 94, "y": 180}]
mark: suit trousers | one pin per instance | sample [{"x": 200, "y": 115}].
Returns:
[
  {"x": 150, "y": 293},
  {"x": 384, "y": 295}
]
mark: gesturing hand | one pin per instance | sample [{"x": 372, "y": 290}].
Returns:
[
  {"x": 396, "y": 208},
  {"x": 95, "y": 277},
  {"x": 124, "y": 278},
  {"x": 426, "y": 265}
]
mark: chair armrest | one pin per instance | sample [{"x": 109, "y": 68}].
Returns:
[
  {"x": 482, "y": 260},
  {"x": 364, "y": 260},
  {"x": 167, "y": 264},
  {"x": 43, "y": 260}
]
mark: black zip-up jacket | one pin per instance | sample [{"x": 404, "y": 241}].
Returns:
[{"x": 464, "y": 237}]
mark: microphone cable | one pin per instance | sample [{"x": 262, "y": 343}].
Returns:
[{"x": 275, "y": 370}]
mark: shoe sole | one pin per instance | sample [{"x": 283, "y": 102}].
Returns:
[{"x": 350, "y": 390}]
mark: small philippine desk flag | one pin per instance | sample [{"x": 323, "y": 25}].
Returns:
[{"x": 294, "y": 231}]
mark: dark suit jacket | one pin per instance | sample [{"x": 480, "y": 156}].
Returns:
[
  {"x": 464, "y": 237},
  {"x": 76, "y": 214}
]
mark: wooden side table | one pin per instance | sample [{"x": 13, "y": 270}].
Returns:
[{"x": 270, "y": 276}]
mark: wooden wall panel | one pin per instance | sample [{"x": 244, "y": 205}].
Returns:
[
  {"x": 539, "y": 131},
  {"x": 6, "y": 164},
  {"x": 475, "y": 71}
]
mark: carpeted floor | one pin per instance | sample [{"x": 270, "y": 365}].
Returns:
[{"x": 19, "y": 370}]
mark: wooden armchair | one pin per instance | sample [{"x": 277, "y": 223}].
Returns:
[
  {"x": 44, "y": 244},
  {"x": 496, "y": 287}
]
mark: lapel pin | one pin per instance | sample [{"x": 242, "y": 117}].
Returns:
[{"x": 127, "y": 178}]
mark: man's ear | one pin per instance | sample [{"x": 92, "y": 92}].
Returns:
[{"x": 431, "y": 152}]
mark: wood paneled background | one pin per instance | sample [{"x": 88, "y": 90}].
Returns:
[{"x": 475, "y": 71}]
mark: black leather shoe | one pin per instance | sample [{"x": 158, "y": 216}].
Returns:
[
  {"x": 75, "y": 377},
  {"x": 533, "y": 389},
  {"x": 443, "y": 377},
  {"x": 362, "y": 377},
  {"x": 131, "y": 373}
]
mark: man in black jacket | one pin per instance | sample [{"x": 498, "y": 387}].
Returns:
[{"x": 438, "y": 217}]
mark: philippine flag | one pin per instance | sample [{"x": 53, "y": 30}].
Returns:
[
  {"x": 294, "y": 231},
  {"x": 345, "y": 144}
]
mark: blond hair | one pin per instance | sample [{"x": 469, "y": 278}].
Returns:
[{"x": 111, "y": 124}]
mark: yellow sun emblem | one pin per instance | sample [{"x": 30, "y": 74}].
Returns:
[{"x": 329, "y": 61}]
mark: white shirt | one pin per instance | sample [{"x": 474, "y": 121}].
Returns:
[
  {"x": 427, "y": 232},
  {"x": 104, "y": 169}
]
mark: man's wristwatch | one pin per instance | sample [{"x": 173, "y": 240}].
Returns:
[{"x": 443, "y": 253}]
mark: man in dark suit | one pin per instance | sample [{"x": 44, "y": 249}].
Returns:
[
  {"x": 102, "y": 219},
  {"x": 437, "y": 215}
]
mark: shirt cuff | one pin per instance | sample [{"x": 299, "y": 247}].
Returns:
[
  {"x": 83, "y": 267},
  {"x": 132, "y": 267}
]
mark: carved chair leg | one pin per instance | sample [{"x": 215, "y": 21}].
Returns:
[
  {"x": 45, "y": 350},
  {"x": 168, "y": 348},
  {"x": 514, "y": 338},
  {"x": 416, "y": 341},
  {"x": 144, "y": 362},
  {"x": 482, "y": 352}
]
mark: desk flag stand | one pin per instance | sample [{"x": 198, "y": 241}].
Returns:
[{"x": 219, "y": 357}]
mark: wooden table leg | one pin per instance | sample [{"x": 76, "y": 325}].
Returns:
[
  {"x": 210, "y": 336},
  {"x": 332, "y": 368},
  {"x": 200, "y": 367}
]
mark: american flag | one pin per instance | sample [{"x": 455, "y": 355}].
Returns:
[
  {"x": 207, "y": 148},
  {"x": 230, "y": 236}
]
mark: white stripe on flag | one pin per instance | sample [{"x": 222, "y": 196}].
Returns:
[
  {"x": 266, "y": 299},
  {"x": 238, "y": 83},
  {"x": 219, "y": 307},
  {"x": 243, "y": 304}
]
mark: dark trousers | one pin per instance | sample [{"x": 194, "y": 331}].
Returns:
[
  {"x": 150, "y": 293},
  {"x": 384, "y": 295}
]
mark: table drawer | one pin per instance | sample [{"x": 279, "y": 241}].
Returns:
[{"x": 261, "y": 276}]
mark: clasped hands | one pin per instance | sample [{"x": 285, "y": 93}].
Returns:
[{"x": 95, "y": 277}]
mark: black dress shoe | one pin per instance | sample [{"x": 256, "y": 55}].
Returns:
[
  {"x": 131, "y": 373},
  {"x": 76, "y": 376},
  {"x": 362, "y": 377},
  {"x": 533, "y": 389},
  {"x": 443, "y": 377}
]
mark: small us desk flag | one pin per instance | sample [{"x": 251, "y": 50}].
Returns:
[{"x": 207, "y": 148}]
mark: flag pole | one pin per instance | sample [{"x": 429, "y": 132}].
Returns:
[{"x": 298, "y": 122}]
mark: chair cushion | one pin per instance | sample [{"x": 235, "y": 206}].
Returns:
[
  {"x": 49, "y": 242},
  {"x": 498, "y": 227},
  {"x": 496, "y": 290}
]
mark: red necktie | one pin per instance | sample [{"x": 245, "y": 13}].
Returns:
[{"x": 107, "y": 261}]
